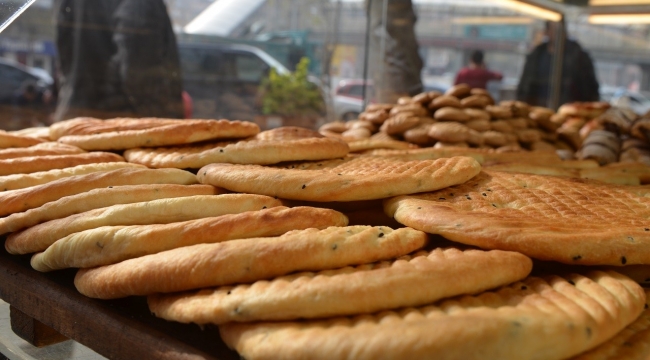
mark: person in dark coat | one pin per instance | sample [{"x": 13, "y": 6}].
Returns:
[
  {"x": 117, "y": 58},
  {"x": 579, "y": 81}
]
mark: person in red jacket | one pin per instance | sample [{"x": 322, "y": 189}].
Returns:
[{"x": 476, "y": 74}]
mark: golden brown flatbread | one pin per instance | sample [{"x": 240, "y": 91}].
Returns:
[
  {"x": 46, "y": 148},
  {"x": 572, "y": 221},
  {"x": 349, "y": 291},
  {"x": 349, "y": 179},
  {"x": 8, "y": 140},
  {"x": 533, "y": 169},
  {"x": 21, "y": 181},
  {"x": 38, "y": 132},
  {"x": 632, "y": 343},
  {"x": 112, "y": 244},
  {"x": 29, "y": 198},
  {"x": 32, "y": 164},
  {"x": 158, "y": 211},
  {"x": 370, "y": 144},
  {"x": 538, "y": 318},
  {"x": 427, "y": 153},
  {"x": 247, "y": 260},
  {"x": 89, "y": 125},
  {"x": 99, "y": 198},
  {"x": 268, "y": 147},
  {"x": 184, "y": 132}
]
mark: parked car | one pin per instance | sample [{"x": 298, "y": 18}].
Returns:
[
  {"x": 14, "y": 76},
  {"x": 348, "y": 98},
  {"x": 25, "y": 96},
  {"x": 223, "y": 80}
]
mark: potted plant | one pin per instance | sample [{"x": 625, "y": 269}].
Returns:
[{"x": 291, "y": 99}]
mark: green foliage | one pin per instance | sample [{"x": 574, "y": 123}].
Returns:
[{"x": 291, "y": 94}]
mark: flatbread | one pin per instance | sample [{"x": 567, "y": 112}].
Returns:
[
  {"x": 632, "y": 343},
  {"x": 533, "y": 169},
  {"x": 89, "y": 125},
  {"x": 427, "y": 153},
  {"x": 35, "y": 196},
  {"x": 572, "y": 221},
  {"x": 46, "y": 148},
  {"x": 32, "y": 164},
  {"x": 100, "y": 198},
  {"x": 349, "y": 179},
  {"x": 39, "y": 132},
  {"x": 538, "y": 318},
  {"x": 247, "y": 260},
  {"x": 158, "y": 211},
  {"x": 8, "y": 140},
  {"x": 185, "y": 132},
  {"x": 368, "y": 144},
  {"x": 21, "y": 181},
  {"x": 112, "y": 244},
  {"x": 348, "y": 291},
  {"x": 269, "y": 147}
]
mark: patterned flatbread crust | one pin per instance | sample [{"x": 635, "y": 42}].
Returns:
[
  {"x": 111, "y": 244},
  {"x": 247, "y": 260},
  {"x": 32, "y": 164},
  {"x": 369, "y": 144},
  {"x": 573, "y": 221},
  {"x": 349, "y": 179},
  {"x": 349, "y": 291},
  {"x": 268, "y": 147},
  {"x": 633, "y": 343},
  {"x": 185, "y": 132},
  {"x": 158, "y": 211},
  {"x": 24, "y": 199},
  {"x": 538, "y": 318},
  {"x": 21, "y": 181}
]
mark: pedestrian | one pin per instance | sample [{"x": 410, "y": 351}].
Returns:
[{"x": 476, "y": 73}]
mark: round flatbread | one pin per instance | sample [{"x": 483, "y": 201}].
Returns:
[
  {"x": 568, "y": 220},
  {"x": 184, "y": 132},
  {"x": 247, "y": 260},
  {"x": 158, "y": 211},
  {"x": 8, "y": 140},
  {"x": 112, "y": 244},
  {"x": 349, "y": 179},
  {"x": 268, "y": 147},
  {"x": 349, "y": 291},
  {"x": 546, "y": 318},
  {"x": 29, "y": 198},
  {"x": 47, "y": 148},
  {"x": 32, "y": 164}
]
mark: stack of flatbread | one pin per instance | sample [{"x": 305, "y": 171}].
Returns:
[{"x": 297, "y": 249}]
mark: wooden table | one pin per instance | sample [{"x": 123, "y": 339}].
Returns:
[{"x": 46, "y": 308}]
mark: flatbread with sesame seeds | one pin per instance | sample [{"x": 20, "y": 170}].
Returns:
[
  {"x": 165, "y": 134},
  {"x": 99, "y": 198},
  {"x": 546, "y": 318},
  {"x": 21, "y": 181},
  {"x": 112, "y": 244},
  {"x": 46, "y": 148},
  {"x": 268, "y": 147},
  {"x": 32, "y": 164},
  {"x": 24, "y": 199},
  {"x": 568, "y": 220},
  {"x": 247, "y": 260},
  {"x": 632, "y": 343},
  {"x": 348, "y": 179},
  {"x": 8, "y": 140},
  {"x": 158, "y": 211},
  {"x": 350, "y": 290}
]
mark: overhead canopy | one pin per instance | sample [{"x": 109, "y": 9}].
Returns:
[{"x": 222, "y": 17}]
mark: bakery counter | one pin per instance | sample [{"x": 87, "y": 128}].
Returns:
[{"x": 45, "y": 308}]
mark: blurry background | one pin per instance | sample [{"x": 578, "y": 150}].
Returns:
[{"x": 245, "y": 38}]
